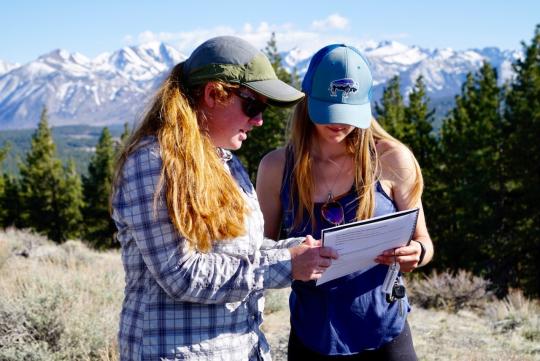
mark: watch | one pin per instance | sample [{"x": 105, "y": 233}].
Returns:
[{"x": 422, "y": 252}]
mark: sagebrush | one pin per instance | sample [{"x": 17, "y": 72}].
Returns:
[
  {"x": 62, "y": 302},
  {"x": 450, "y": 291},
  {"x": 59, "y": 302}
]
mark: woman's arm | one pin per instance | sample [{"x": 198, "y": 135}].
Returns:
[
  {"x": 183, "y": 273},
  {"x": 191, "y": 276},
  {"x": 269, "y": 177},
  {"x": 398, "y": 173},
  {"x": 268, "y": 186}
]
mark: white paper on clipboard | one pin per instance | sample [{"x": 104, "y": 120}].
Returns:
[{"x": 359, "y": 243}]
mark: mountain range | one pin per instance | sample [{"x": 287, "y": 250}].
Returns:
[{"x": 114, "y": 87}]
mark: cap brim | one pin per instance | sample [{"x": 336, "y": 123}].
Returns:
[
  {"x": 357, "y": 115},
  {"x": 278, "y": 92}
]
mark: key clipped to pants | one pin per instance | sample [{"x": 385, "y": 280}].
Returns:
[{"x": 392, "y": 288}]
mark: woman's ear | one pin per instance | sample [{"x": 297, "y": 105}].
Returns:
[{"x": 209, "y": 97}]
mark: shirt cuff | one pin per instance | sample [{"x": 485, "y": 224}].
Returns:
[
  {"x": 283, "y": 243},
  {"x": 276, "y": 268}
]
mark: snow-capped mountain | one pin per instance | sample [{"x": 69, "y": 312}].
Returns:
[
  {"x": 76, "y": 90},
  {"x": 5, "y": 67},
  {"x": 114, "y": 87},
  {"x": 444, "y": 70}
]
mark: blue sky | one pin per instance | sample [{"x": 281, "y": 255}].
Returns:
[{"x": 31, "y": 28}]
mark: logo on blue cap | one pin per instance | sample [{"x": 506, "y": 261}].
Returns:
[{"x": 346, "y": 85}]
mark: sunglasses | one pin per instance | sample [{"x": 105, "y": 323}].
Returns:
[
  {"x": 332, "y": 211},
  {"x": 250, "y": 106}
]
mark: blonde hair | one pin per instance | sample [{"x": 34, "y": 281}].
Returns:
[
  {"x": 192, "y": 174},
  {"x": 360, "y": 145}
]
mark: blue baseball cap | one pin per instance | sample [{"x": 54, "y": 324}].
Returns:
[{"x": 338, "y": 85}]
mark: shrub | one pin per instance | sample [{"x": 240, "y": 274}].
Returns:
[
  {"x": 450, "y": 291},
  {"x": 34, "y": 319},
  {"x": 276, "y": 300},
  {"x": 59, "y": 302},
  {"x": 23, "y": 242},
  {"x": 515, "y": 311},
  {"x": 4, "y": 252},
  {"x": 26, "y": 352}
]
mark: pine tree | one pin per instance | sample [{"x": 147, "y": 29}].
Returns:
[
  {"x": 3, "y": 152},
  {"x": 41, "y": 176},
  {"x": 470, "y": 146},
  {"x": 391, "y": 111},
  {"x": 3, "y": 210},
  {"x": 71, "y": 203},
  {"x": 11, "y": 203},
  {"x": 522, "y": 153},
  {"x": 420, "y": 138},
  {"x": 418, "y": 127},
  {"x": 271, "y": 51},
  {"x": 97, "y": 187},
  {"x": 43, "y": 187},
  {"x": 263, "y": 139},
  {"x": 123, "y": 138}
]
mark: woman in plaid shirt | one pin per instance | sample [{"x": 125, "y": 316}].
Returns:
[{"x": 188, "y": 219}]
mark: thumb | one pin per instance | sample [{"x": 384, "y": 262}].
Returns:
[{"x": 310, "y": 241}]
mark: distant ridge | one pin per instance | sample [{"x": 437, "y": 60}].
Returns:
[{"x": 114, "y": 87}]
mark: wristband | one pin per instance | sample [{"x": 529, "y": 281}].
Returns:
[{"x": 422, "y": 252}]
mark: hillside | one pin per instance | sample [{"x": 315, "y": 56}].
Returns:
[
  {"x": 62, "y": 303},
  {"x": 75, "y": 142}
]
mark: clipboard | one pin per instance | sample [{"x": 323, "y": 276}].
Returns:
[{"x": 359, "y": 243}]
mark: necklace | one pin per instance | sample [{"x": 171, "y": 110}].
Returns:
[{"x": 330, "y": 189}]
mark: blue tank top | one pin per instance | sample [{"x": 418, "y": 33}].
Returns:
[{"x": 350, "y": 314}]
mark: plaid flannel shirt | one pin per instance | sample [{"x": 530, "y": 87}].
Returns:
[{"x": 181, "y": 304}]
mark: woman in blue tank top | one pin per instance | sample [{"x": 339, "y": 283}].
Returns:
[{"x": 341, "y": 166}]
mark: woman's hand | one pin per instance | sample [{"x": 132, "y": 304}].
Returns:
[
  {"x": 408, "y": 257},
  {"x": 310, "y": 260}
]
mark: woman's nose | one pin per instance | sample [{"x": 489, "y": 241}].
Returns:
[{"x": 257, "y": 120}]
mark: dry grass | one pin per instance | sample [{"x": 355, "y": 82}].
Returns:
[
  {"x": 450, "y": 291},
  {"x": 469, "y": 324},
  {"x": 63, "y": 302},
  {"x": 441, "y": 336},
  {"x": 58, "y": 302}
]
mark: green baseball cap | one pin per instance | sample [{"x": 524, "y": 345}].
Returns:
[{"x": 234, "y": 60}]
